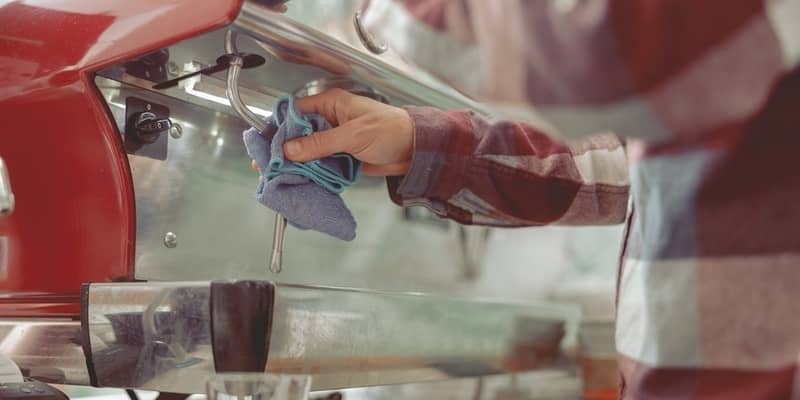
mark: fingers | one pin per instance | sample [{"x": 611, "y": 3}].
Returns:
[
  {"x": 323, "y": 104},
  {"x": 319, "y": 145},
  {"x": 254, "y": 166}
]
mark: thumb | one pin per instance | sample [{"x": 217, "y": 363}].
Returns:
[{"x": 319, "y": 145}]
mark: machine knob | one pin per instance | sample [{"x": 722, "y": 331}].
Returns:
[{"x": 149, "y": 127}]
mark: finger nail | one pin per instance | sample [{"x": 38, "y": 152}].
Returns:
[{"x": 292, "y": 148}]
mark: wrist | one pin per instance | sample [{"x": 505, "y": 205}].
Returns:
[{"x": 407, "y": 135}]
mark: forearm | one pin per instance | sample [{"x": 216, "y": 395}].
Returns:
[{"x": 478, "y": 171}]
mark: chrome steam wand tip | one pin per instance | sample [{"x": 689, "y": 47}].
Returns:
[{"x": 276, "y": 261}]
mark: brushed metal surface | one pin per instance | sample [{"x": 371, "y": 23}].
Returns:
[
  {"x": 204, "y": 191},
  {"x": 156, "y": 336},
  {"x": 297, "y": 44}
]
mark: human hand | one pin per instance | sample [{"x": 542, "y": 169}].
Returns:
[{"x": 379, "y": 135}]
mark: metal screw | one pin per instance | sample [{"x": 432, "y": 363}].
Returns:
[
  {"x": 170, "y": 240},
  {"x": 148, "y": 107},
  {"x": 176, "y": 131}
]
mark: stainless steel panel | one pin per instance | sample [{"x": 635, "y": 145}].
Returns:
[
  {"x": 298, "y": 45},
  {"x": 48, "y": 349},
  {"x": 296, "y": 53},
  {"x": 196, "y": 213},
  {"x": 203, "y": 196},
  {"x": 351, "y": 338},
  {"x": 156, "y": 336}
]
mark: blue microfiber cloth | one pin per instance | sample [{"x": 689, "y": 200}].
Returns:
[{"x": 307, "y": 194}]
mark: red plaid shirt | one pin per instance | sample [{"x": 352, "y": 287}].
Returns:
[{"x": 707, "y": 95}]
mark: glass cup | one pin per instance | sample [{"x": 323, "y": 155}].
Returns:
[{"x": 258, "y": 386}]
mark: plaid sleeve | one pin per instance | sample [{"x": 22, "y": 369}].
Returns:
[
  {"x": 478, "y": 171},
  {"x": 655, "y": 71}
]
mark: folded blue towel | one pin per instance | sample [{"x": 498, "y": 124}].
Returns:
[{"x": 307, "y": 194}]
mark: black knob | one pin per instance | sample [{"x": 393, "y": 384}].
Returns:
[{"x": 149, "y": 127}]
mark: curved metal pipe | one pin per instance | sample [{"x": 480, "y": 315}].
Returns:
[
  {"x": 230, "y": 42},
  {"x": 366, "y": 38},
  {"x": 232, "y": 92}
]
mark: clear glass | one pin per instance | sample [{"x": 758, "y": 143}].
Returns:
[{"x": 258, "y": 386}]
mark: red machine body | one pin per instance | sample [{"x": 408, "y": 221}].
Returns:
[{"x": 74, "y": 220}]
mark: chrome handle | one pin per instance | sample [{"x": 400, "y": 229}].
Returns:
[
  {"x": 6, "y": 195},
  {"x": 232, "y": 92},
  {"x": 366, "y": 38}
]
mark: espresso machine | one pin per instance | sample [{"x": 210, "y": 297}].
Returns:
[{"x": 133, "y": 254}]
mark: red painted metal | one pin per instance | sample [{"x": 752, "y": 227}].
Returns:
[{"x": 74, "y": 221}]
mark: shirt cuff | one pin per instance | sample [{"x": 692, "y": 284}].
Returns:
[{"x": 428, "y": 157}]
